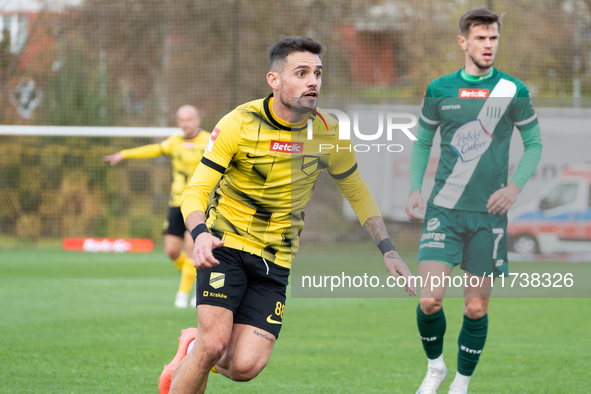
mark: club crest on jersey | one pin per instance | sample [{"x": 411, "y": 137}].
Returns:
[
  {"x": 471, "y": 140},
  {"x": 286, "y": 147},
  {"x": 217, "y": 280},
  {"x": 214, "y": 136},
  {"x": 310, "y": 164},
  {"x": 474, "y": 93}
]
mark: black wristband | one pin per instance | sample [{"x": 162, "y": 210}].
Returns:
[
  {"x": 386, "y": 246},
  {"x": 201, "y": 228}
]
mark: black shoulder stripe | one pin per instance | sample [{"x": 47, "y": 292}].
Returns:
[
  {"x": 344, "y": 174},
  {"x": 213, "y": 165}
]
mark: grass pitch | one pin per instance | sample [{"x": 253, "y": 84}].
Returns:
[{"x": 104, "y": 323}]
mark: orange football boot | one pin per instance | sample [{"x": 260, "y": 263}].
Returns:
[{"x": 185, "y": 339}]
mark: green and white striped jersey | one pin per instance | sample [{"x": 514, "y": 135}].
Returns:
[{"x": 476, "y": 116}]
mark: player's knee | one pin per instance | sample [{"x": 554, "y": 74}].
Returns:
[
  {"x": 212, "y": 352},
  {"x": 475, "y": 309},
  {"x": 172, "y": 253},
  {"x": 431, "y": 305},
  {"x": 243, "y": 372}
]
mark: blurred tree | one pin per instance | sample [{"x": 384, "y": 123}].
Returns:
[{"x": 74, "y": 91}]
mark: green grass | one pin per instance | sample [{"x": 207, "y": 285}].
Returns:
[{"x": 104, "y": 323}]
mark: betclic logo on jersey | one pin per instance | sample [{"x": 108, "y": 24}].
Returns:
[
  {"x": 474, "y": 93},
  {"x": 286, "y": 147}
]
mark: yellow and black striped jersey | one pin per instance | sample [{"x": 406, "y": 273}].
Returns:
[
  {"x": 185, "y": 155},
  {"x": 269, "y": 170}
]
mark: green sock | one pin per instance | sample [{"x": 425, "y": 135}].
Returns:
[
  {"x": 431, "y": 330},
  {"x": 470, "y": 343}
]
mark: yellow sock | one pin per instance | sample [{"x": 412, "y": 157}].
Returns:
[
  {"x": 214, "y": 370},
  {"x": 178, "y": 263},
  {"x": 188, "y": 274}
]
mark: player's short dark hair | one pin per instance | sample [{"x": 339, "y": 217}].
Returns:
[
  {"x": 478, "y": 17},
  {"x": 283, "y": 48}
]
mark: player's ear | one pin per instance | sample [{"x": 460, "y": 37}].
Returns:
[
  {"x": 274, "y": 80},
  {"x": 462, "y": 42}
]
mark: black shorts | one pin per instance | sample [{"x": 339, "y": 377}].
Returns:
[
  {"x": 174, "y": 224},
  {"x": 251, "y": 287}
]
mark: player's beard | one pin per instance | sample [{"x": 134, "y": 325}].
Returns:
[
  {"x": 480, "y": 65},
  {"x": 297, "y": 108}
]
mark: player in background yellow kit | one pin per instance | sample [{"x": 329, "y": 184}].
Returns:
[{"x": 185, "y": 152}]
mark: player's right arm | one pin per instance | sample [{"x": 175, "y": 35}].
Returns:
[
  {"x": 222, "y": 146},
  {"x": 205, "y": 243},
  {"x": 142, "y": 152},
  {"x": 419, "y": 156}
]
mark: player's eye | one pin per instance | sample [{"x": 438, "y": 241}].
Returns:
[
  {"x": 300, "y": 73},
  {"x": 318, "y": 74}
]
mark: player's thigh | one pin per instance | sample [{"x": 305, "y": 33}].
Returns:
[
  {"x": 432, "y": 285},
  {"x": 432, "y": 275},
  {"x": 263, "y": 303},
  {"x": 173, "y": 246},
  {"x": 477, "y": 293},
  {"x": 175, "y": 223},
  {"x": 214, "y": 328},
  {"x": 485, "y": 250}
]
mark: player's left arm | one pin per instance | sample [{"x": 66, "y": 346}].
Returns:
[
  {"x": 355, "y": 190},
  {"x": 501, "y": 200}
]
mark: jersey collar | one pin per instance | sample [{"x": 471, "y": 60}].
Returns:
[
  {"x": 196, "y": 135},
  {"x": 476, "y": 78},
  {"x": 279, "y": 123}
]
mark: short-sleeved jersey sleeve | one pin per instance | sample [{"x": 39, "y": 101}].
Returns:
[
  {"x": 522, "y": 112},
  {"x": 223, "y": 143},
  {"x": 429, "y": 118}
]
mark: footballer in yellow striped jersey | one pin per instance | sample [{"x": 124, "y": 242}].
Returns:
[
  {"x": 269, "y": 169},
  {"x": 245, "y": 243},
  {"x": 185, "y": 152}
]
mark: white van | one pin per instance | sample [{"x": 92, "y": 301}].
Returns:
[{"x": 558, "y": 220}]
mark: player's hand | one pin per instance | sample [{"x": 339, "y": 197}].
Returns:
[
  {"x": 396, "y": 267},
  {"x": 114, "y": 158},
  {"x": 501, "y": 200},
  {"x": 415, "y": 200},
  {"x": 202, "y": 252}
]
